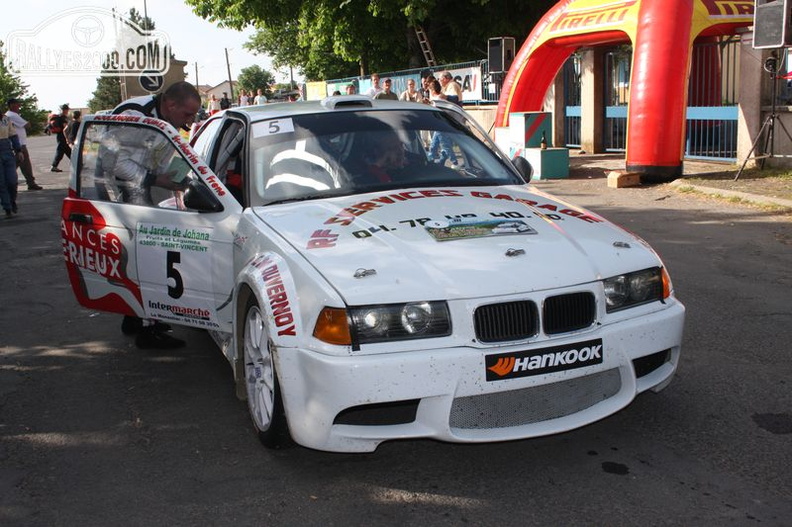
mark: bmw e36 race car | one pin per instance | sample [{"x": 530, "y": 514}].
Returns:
[{"x": 362, "y": 288}]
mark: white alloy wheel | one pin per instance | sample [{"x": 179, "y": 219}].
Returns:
[{"x": 263, "y": 393}]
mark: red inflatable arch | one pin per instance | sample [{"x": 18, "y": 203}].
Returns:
[{"x": 662, "y": 33}]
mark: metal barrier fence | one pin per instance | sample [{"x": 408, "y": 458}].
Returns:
[
  {"x": 478, "y": 87},
  {"x": 712, "y": 100},
  {"x": 617, "y": 93},
  {"x": 572, "y": 101}
]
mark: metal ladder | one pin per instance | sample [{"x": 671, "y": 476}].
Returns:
[{"x": 425, "y": 47}]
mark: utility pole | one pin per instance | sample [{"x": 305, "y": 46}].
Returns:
[
  {"x": 196, "y": 74},
  {"x": 230, "y": 82},
  {"x": 121, "y": 78}
]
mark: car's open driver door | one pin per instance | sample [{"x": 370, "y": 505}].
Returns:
[{"x": 147, "y": 227}]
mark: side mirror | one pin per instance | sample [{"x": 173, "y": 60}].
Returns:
[
  {"x": 199, "y": 197},
  {"x": 524, "y": 167}
]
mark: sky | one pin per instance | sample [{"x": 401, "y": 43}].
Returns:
[{"x": 192, "y": 39}]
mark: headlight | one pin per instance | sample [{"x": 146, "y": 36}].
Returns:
[
  {"x": 632, "y": 289},
  {"x": 415, "y": 320}
]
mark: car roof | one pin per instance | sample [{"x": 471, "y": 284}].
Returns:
[{"x": 342, "y": 103}]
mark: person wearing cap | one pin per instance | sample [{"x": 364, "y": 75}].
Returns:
[
  {"x": 10, "y": 155},
  {"x": 21, "y": 126},
  {"x": 387, "y": 92},
  {"x": 57, "y": 124},
  {"x": 178, "y": 105}
]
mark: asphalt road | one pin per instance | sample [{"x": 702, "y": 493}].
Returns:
[{"x": 96, "y": 432}]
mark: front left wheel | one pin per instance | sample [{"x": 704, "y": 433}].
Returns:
[{"x": 261, "y": 379}]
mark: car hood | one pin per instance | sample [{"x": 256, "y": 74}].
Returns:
[{"x": 452, "y": 243}]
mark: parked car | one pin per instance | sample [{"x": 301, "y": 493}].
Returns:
[{"x": 361, "y": 289}]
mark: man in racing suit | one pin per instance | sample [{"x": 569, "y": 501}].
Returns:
[{"x": 140, "y": 163}]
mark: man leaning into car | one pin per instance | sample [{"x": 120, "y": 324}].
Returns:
[{"x": 178, "y": 105}]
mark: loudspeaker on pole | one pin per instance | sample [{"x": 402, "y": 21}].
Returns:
[
  {"x": 500, "y": 54},
  {"x": 771, "y": 24}
]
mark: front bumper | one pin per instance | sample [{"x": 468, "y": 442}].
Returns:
[{"x": 454, "y": 400}]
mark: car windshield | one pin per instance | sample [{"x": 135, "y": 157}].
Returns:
[{"x": 342, "y": 153}]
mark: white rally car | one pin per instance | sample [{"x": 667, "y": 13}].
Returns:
[{"x": 361, "y": 289}]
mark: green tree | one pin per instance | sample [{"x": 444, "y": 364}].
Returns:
[
  {"x": 107, "y": 94},
  {"x": 282, "y": 45},
  {"x": 254, "y": 77},
  {"x": 11, "y": 86},
  {"x": 143, "y": 22},
  {"x": 331, "y": 38}
]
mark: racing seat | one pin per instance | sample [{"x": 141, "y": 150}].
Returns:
[{"x": 294, "y": 173}]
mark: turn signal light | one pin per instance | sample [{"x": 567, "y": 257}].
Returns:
[
  {"x": 667, "y": 288},
  {"x": 332, "y": 326}
]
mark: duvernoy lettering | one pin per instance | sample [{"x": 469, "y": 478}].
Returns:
[{"x": 279, "y": 302}]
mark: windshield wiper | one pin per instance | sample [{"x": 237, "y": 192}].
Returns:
[{"x": 323, "y": 195}]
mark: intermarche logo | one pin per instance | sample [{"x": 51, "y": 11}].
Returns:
[{"x": 88, "y": 41}]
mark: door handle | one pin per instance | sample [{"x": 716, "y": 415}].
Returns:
[{"x": 80, "y": 218}]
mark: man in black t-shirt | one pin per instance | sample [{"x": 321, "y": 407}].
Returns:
[
  {"x": 225, "y": 102},
  {"x": 57, "y": 125}
]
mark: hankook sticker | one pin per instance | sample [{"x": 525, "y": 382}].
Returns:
[{"x": 546, "y": 360}]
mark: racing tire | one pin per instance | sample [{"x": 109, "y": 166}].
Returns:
[{"x": 261, "y": 380}]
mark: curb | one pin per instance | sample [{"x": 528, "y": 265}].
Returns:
[{"x": 753, "y": 198}]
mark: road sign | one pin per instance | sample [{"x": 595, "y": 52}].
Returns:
[{"x": 151, "y": 81}]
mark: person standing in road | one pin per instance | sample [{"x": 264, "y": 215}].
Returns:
[
  {"x": 21, "y": 126},
  {"x": 225, "y": 102},
  {"x": 441, "y": 147},
  {"x": 213, "y": 106},
  {"x": 260, "y": 98},
  {"x": 73, "y": 127},
  {"x": 178, "y": 105},
  {"x": 57, "y": 125},
  {"x": 10, "y": 155}
]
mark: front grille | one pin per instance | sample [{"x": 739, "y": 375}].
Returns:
[
  {"x": 570, "y": 312},
  {"x": 534, "y": 405},
  {"x": 508, "y": 321},
  {"x": 520, "y": 320}
]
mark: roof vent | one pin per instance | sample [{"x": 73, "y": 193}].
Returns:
[{"x": 346, "y": 101}]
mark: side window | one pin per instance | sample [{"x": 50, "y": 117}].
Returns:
[
  {"x": 129, "y": 163},
  {"x": 227, "y": 159},
  {"x": 203, "y": 141}
]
